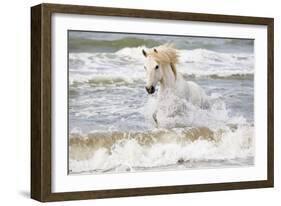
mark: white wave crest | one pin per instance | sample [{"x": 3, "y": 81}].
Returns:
[
  {"x": 130, "y": 155},
  {"x": 128, "y": 63}
]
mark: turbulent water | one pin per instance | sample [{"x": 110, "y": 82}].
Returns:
[{"x": 111, "y": 128}]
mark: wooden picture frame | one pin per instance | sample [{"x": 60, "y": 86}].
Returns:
[{"x": 41, "y": 95}]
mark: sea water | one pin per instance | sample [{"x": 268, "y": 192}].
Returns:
[{"x": 111, "y": 128}]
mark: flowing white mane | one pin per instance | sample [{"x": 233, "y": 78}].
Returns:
[{"x": 165, "y": 54}]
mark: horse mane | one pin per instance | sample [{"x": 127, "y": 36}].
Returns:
[{"x": 165, "y": 54}]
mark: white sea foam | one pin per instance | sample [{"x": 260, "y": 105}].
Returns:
[
  {"x": 234, "y": 140},
  {"x": 124, "y": 68},
  {"x": 127, "y": 65},
  {"x": 129, "y": 155},
  {"x": 100, "y": 80}
]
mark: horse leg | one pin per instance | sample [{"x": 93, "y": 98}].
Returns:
[{"x": 155, "y": 118}]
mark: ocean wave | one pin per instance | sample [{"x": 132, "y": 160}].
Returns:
[
  {"x": 123, "y": 152},
  {"x": 114, "y": 80},
  {"x": 195, "y": 55},
  {"x": 186, "y": 56},
  {"x": 92, "y": 45},
  {"x": 186, "y": 136},
  {"x": 110, "y": 41},
  {"x": 200, "y": 55},
  {"x": 103, "y": 80},
  {"x": 234, "y": 76},
  {"x": 127, "y": 63}
]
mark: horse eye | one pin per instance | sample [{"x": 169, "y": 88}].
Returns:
[{"x": 157, "y": 67}]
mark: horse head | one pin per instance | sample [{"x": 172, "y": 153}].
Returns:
[{"x": 154, "y": 72}]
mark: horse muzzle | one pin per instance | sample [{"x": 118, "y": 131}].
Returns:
[{"x": 150, "y": 90}]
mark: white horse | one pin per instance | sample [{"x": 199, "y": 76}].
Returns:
[{"x": 160, "y": 66}]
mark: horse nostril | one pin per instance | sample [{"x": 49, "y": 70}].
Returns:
[
  {"x": 147, "y": 89},
  {"x": 152, "y": 89}
]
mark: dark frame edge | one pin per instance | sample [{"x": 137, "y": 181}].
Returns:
[
  {"x": 270, "y": 102},
  {"x": 166, "y": 190},
  {"x": 41, "y": 103},
  {"x": 157, "y": 14},
  {"x": 36, "y": 139}
]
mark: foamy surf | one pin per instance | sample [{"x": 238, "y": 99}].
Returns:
[
  {"x": 100, "y": 68},
  {"x": 111, "y": 128},
  {"x": 185, "y": 137},
  {"x": 181, "y": 147}
]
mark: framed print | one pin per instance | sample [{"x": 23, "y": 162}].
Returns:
[{"x": 128, "y": 102}]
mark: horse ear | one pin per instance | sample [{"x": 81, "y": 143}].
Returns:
[
  {"x": 155, "y": 50},
  {"x": 144, "y": 53}
]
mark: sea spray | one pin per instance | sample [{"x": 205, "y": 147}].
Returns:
[
  {"x": 111, "y": 128},
  {"x": 179, "y": 147}
]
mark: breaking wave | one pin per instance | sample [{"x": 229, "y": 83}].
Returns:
[
  {"x": 92, "y": 45},
  {"x": 186, "y": 137},
  {"x": 126, "y": 66},
  {"x": 185, "y": 147}
]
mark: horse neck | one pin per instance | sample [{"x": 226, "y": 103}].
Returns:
[{"x": 169, "y": 79}]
